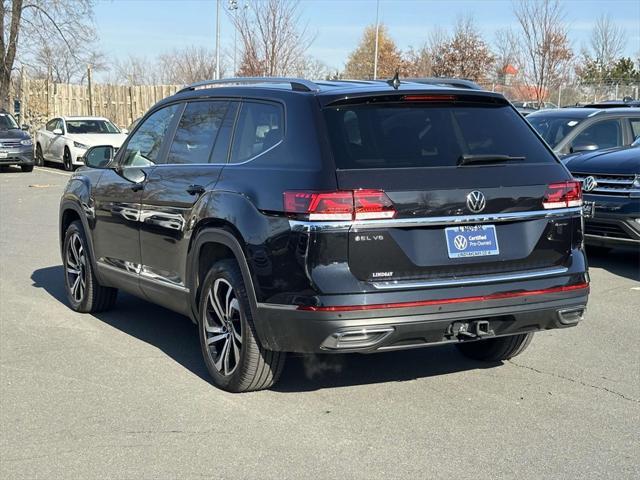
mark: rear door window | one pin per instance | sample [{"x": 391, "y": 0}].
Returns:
[
  {"x": 197, "y": 132},
  {"x": 635, "y": 127},
  {"x": 417, "y": 135},
  {"x": 258, "y": 129}
]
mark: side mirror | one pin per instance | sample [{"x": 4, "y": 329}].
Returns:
[
  {"x": 586, "y": 147},
  {"x": 99, "y": 156},
  {"x": 125, "y": 131},
  {"x": 57, "y": 131},
  {"x": 25, "y": 126}
]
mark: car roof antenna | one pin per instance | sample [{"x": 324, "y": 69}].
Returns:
[{"x": 395, "y": 81}]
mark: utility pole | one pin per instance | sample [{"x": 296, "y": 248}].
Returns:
[
  {"x": 375, "y": 54},
  {"x": 233, "y": 7},
  {"x": 217, "y": 39}
]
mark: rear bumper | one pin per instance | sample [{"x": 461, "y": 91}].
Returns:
[{"x": 286, "y": 328}]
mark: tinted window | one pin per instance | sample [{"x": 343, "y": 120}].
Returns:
[
  {"x": 635, "y": 127},
  {"x": 144, "y": 145},
  {"x": 604, "y": 134},
  {"x": 258, "y": 129},
  {"x": 553, "y": 128},
  {"x": 413, "y": 135},
  {"x": 197, "y": 132}
]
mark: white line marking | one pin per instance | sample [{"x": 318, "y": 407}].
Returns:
[{"x": 48, "y": 170}]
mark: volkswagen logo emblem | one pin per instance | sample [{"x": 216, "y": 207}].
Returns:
[
  {"x": 460, "y": 242},
  {"x": 476, "y": 201},
  {"x": 589, "y": 184}
]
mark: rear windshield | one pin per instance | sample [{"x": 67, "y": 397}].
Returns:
[
  {"x": 553, "y": 128},
  {"x": 418, "y": 135}
]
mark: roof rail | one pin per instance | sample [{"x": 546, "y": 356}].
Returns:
[{"x": 297, "y": 84}]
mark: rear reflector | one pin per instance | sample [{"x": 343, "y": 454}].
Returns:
[
  {"x": 341, "y": 205},
  {"x": 427, "y": 303},
  {"x": 564, "y": 194}
]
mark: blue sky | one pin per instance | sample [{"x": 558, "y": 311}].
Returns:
[{"x": 149, "y": 27}]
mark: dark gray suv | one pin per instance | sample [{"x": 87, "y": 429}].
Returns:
[{"x": 571, "y": 131}]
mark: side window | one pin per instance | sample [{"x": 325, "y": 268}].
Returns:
[
  {"x": 259, "y": 127},
  {"x": 51, "y": 125},
  {"x": 144, "y": 145},
  {"x": 635, "y": 127},
  {"x": 197, "y": 132},
  {"x": 60, "y": 125},
  {"x": 604, "y": 134}
]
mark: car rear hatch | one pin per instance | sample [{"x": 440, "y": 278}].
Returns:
[{"x": 453, "y": 188}]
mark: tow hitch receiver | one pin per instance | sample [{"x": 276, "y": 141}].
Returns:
[{"x": 476, "y": 329}]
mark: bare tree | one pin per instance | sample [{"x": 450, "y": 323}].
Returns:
[
  {"x": 36, "y": 22},
  {"x": 546, "y": 51},
  {"x": 607, "y": 41},
  {"x": 134, "y": 70},
  {"x": 506, "y": 50},
  {"x": 62, "y": 66},
  {"x": 466, "y": 55},
  {"x": 273, "y": 39},
  {"x": 188, "y": 65}
]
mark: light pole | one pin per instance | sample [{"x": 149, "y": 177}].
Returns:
[
  {"x": 217, "y": 39},
  {"x": 375, "y": 53},
  {"x": 233, "y": 7}
]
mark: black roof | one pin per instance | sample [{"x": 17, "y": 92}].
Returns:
[{"x": 328, "y": 91}]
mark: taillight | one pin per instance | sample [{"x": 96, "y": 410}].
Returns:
[
  {"x": 564, "y": 194},
  {"x": 342, "y": 205},
  {"x": 372, "y": 204}
]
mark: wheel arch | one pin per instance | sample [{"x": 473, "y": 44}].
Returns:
[
  {"x": 70, "y": 211},
  {"x": 215, "y": 240}
]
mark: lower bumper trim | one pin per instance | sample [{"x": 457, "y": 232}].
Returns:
[{"x": 426, "y": 303}]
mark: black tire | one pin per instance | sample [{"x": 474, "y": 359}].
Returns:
[
  {"x": 87, "y": 295},
  {"x": 247, "y": 366},
  {"x": 39, "y": 157},
  {"x": 66, "y": 160},
  {"x": 496, "y": 349},
  {"x": 26, "y": 168}
]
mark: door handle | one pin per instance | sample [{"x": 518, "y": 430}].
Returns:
[
  {"x": 195, "y": 189},
  {"x": 136, "y": 187}
]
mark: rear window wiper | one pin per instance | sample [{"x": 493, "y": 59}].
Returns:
[{"x": 468, "y": 159}]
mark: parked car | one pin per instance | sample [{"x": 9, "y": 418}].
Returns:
[
  {"x": 66, "y": 139},
  {"x": 571, "y": 131},
  {"x": 16, "y": 146},
  {"x": 611, "y": 182},
  {"x": 283, "y": 215},
  {"x": 533, "y": 104}
]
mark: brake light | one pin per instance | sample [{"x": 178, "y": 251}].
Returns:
[
  {"x": 564, "y": 194},
  {"x": 429, "y": 98},
  {"x": 372, "y": 204},
  {"x": 341, "y": 205}
]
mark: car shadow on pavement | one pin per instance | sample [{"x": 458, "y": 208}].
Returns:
[
  {"x": 624, "y": 262},
  {"x": 177, "y": 337}
]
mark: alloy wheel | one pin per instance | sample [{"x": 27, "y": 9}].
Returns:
[
  {"x": 223, "y": 327},
  {"x": 75, "y": 267}
]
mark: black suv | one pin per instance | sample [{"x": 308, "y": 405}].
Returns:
[{"x": 283, "y": 215}]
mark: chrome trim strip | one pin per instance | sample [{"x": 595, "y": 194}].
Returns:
[
  {"x": 146, "y": 277},
  {"x": 305, "y": 226},
  {"x": 277, "y": 306},
  {"x": 505, "y": 277}
]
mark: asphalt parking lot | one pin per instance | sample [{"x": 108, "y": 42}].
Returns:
[{"x": 125, "y": 394}]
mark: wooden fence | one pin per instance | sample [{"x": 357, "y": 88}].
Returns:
[{"x": 41, "y": 100}]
